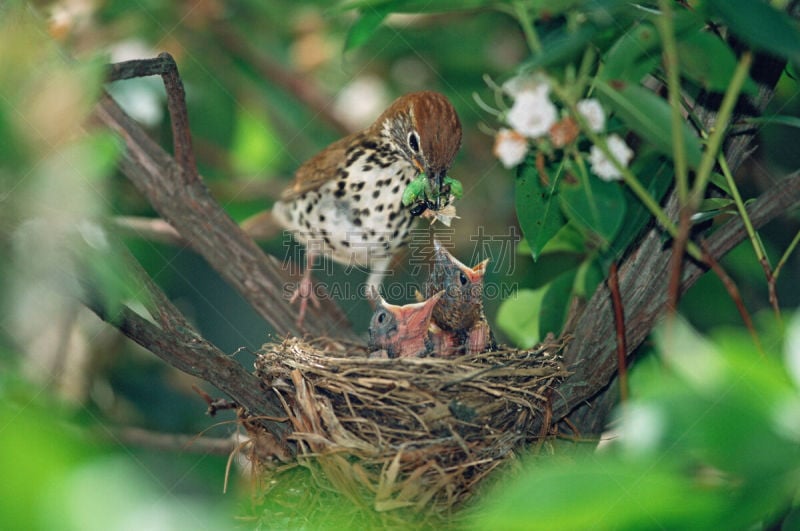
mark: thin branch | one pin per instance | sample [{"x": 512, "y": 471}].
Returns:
[
  {"x": 296, "y": 85},
  {"x": 758, "y": 247},
  {"x": 591, "y": 354},
  {"x": 619, "y": 324},
  {"x": 164, "y": 66},
  {"x": 785, "y": 257},
  {"x": 174, "y": 442},
  {"x": 150, "y": 229},
  {"x": 175, "y": 341},
  {"x": 260, "y": 227},
  {"x": 734, "y": 294},
  {"x": 677, "y": 258}
]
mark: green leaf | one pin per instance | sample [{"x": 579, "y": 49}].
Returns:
[
  {"x": 649, "y": 116},
  {"x": 715, "y": 204},
  {"x": 719, "y": 180},
  {"x": 596, "y": 205},
  {"x": 517, "y": 317},
  {"x": 775, "y": 119},
  {"x": 568, "y": 239},
  {"x": 634, "y": 55},
  {"x": 598, "y": 492},
  {"x": 364, "y": 27},
  {"x": 555, "y": 303},
  {"x": 706, "y": 59},
  {"x": 590, "y": 275},
  {"x": 537, "y": 207},
  {"x": 560, "y": 47},
  {"x": 760, "y": 25},
  {"x": 655, "y": 174}
]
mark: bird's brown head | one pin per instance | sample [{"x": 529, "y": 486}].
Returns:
[
  {"x": 425, "y": 128},
  {"x": 402, "y": 330},
  {"x": 462, "y": 303}
]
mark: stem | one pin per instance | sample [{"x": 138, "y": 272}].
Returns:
[
  {"x": 627, "y": 176},
  {"x": 665, "y": 28},
  {"x": 530, "y": 32},
  {"x": 619, "y": 325},
  {"x": 737, "y": 198},
  {"x": 583, "y": 71},
  {"x": 719, "y": 129},
  {"x": 785, "y": 256},
  {"x": 758, "y": 247}
]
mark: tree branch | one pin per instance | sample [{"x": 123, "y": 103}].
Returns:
[
  {"x": 175, "y": 341},
  {"x": 642, "y": 283},
  {"x": 185, "y": 203}
]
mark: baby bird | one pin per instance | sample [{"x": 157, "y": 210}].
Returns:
[
  {"x": 459, "y": 315},
  {"x": 402, "y": 331}
]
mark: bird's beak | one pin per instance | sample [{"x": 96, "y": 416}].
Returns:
[
  {"x": 416, "y": 316},
  {"x": 437, "y": 179},
  {"x": 473, "y": 273}
]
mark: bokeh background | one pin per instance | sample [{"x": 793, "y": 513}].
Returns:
[{"x": 243, "y": 64}]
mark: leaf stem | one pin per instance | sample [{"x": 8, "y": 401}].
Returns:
[
  {"x": 628, "y": 177},
  {"x": 666, "y": 29},
  {"x": 527, "y": 27},
  {"x": 737, "y": 199},
  {"x": 785, "y": 256}
]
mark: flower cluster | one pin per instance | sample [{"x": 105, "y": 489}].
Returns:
[{"x": 534, "y": 118}]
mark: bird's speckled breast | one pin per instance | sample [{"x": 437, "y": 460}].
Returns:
[{"x": 358, "y": 217}]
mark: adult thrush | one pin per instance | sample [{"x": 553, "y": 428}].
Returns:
[{"x": 345, "y": 202}]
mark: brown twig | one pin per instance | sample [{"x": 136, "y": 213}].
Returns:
[
  {"x": 150, "y": 229},
  {"x": 174, "y": 442},
  {"x": 296, "y": 85},
  {"x": 677, "y": 258},
  {"x": 773, "y": 294},
  {"x": 164, "y": 66},
  {"x": 734, "y": 294},
  {"x": 619, "y": 323},
  {"x": 260, "y": 227}
]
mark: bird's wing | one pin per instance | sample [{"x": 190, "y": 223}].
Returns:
[{"x": 319, "y": 169}]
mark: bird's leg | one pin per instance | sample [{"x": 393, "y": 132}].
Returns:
[
  {"x": 305, "y": 289},
  {"x": 377, "y": 272}
]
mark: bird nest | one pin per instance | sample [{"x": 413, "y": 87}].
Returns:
[{"x": 411, "y": 434}]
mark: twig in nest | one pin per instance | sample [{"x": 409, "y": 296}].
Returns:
[{"x": 214, "y": 405}]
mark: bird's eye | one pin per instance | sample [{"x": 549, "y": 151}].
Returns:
[
  {"x": 381, "y": 317},
  {"x": 413, "y": 141},
  {"x": 462, "y": 278}
]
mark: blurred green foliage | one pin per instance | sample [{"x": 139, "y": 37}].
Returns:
[{"x": 710, "y": 439}]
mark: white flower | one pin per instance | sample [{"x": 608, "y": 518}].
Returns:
[
  {"x": 593, "y": 113},
  {"x": 532, "y": 113},
  {"x": 604, "y": 168},
  {"x": 510, "y": 147},
  {"x": 527, "y": 83}
]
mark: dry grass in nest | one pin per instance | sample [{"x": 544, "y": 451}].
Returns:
[{"x": 415, "y": 433}]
